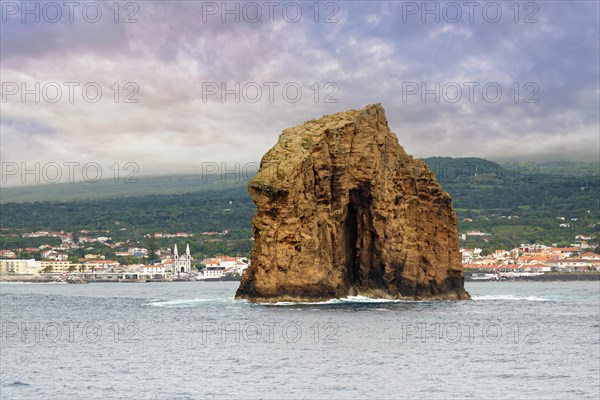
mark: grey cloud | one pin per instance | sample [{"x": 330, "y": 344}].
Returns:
[{"x": 369, "y": 54}]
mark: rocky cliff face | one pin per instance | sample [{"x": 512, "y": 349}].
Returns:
[{"x": 343, "y": 210}]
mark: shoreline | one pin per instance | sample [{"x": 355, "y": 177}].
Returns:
[
  {"x": 23, "y": 278},
  {"x": 30, "y": 279},
  {"x": 559, "y": 277},
  {"x": 566, "y": 277}
]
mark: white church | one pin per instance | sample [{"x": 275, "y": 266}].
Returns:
[{"x": 183, "y": 263}]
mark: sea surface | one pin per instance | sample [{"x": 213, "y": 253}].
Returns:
[{"x": 517, "y": 340}]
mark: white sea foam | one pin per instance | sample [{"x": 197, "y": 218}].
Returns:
[
  {"x": 345, "y": 300},
  {"x": 186, "y": 302},
  {"x": 363, "y": 299},
  {"x": 342, "y": 301},
  {"x": 509, "y": 297},
  {"x": 33, "y": 283}
]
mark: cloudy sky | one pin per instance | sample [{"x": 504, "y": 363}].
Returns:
[{"x": 173, "y": 86}]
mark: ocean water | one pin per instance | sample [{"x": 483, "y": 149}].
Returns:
[{"x": 191, "y": 340}]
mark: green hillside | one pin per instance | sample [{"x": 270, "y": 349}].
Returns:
[
  {"x": 108, "y": 189},
  {"x": 514, "y": 204},
  {"x": 522, "y": 202}
]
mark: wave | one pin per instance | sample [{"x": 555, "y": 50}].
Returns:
[
  {"x": 345, "y": 300},
  {"x": 186, "y": 302},
  {"x": 32, "y": 283},
  {"x": 350, "y": 300},
  {"x": 510, "y": 297},
  {"x": 18, "y": 384}
]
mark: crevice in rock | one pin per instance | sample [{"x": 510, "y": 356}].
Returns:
[
  {"x": 359, "y": 236},
  {"x": 351, "y": 235}
]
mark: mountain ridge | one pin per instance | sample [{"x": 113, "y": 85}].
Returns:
[{"x": 446, "y": 168}]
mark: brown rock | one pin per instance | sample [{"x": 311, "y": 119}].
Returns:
[{"x": 343, "y": 210}]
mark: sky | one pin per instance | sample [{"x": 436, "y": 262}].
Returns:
[{"x": 106, "y": 89}]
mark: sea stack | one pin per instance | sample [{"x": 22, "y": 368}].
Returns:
[{"x": 342, "y": 210}]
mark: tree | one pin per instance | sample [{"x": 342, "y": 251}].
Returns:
[
  {"x": 47, "y": 269},
  {"x": 200, "y": 266},
  {"x": 151, "y": 246},
  {"x": 108, "y": 253},
  {"x": 128, "y": 260},
  {"x": 72, "y": 268}
]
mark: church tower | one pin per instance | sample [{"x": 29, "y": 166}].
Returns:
[{"x": 183, "y": 263}]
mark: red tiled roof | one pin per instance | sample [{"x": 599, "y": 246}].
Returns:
[
  {"x": 590, "y": 254},
  {"x": 536, "y": 266}
]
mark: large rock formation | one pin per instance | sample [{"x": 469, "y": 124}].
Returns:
[{"x": 343, "y": 210}]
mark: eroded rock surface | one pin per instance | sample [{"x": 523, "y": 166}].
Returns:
[{"x": 343, "y": 210}]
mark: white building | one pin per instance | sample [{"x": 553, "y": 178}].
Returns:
[
  {"x": 183, "y": 263},
  {"x": 54, "y": 255},
  {"x": 20, "y": 266},
  {"x": 576, "y": 265},
  {"x": 590, "y": 256},
  {"x": 476, "y": 233},
  {"x": 221, "y": 266},
  {"x": 152, "y": 271},
  {"x": 213, "y": 272},
  {"x": 239, "y": 268}
]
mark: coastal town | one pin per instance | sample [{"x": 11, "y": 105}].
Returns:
[
  {"x": 133, "y": 264},
  {"x": 528, "y": 261},
  {"x": 81, "y": 258}
]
